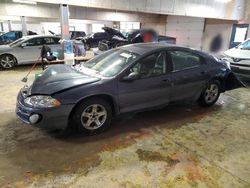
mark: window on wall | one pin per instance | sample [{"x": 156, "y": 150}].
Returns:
[{"x": 129, "y": 26}]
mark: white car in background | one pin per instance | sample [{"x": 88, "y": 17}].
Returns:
[
  {"x": 26, "y": 50},
  {"x": 239, "y": 59}
]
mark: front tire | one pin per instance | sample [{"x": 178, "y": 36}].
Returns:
[
  {"x": 210, "y": 94},
  {"x": 92, "y": 116},
  {"x": 7, "y": 62}
]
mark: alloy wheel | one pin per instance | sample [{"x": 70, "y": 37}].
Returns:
[
  {"x": 93, "y": 117},
  {"x": 211, "y": 93},
  {"x": 7, "y": 62}
]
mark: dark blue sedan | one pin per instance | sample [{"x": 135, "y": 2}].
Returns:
[{"x": 130, "y": 78}]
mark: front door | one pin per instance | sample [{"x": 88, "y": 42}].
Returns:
[{"x": 151, "y": 89}]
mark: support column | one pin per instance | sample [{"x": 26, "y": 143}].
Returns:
[
  {"x": 64, "y": 11},
  {"x": 89, "y": 29},
  {"x": 1, "y": 26},
  {"x": 9, "y": 25},
  {"x": 24, "y": 26}
]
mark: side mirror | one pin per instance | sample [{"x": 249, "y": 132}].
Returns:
[
  {"x": 23, "y": 45},
  {"x": 131, "y": 77}
]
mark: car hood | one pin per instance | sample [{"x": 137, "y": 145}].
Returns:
[
  {"x": 238, "y": 53},
  {"x": 113, "y": 32},
  {"x": 57, "y": 78}
]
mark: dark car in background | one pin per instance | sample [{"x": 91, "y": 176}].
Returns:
[
  {"x": 76, "y": 34},
  {"x": 125, "y": 79},
  {"x": 135, "y": 36},
  {"x": 92, "y": 40},
  {"x": 11, "y": 36},
  {"x": 166, "y": 39}
]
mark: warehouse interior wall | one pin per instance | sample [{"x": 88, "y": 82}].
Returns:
[
  {"x": 188, "y": 31},
  {"x": 215, "y": 27},
  {"x": 247, "y": 14}
]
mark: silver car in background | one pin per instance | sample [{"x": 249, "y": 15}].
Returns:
[{"x": 26, "y": 50}]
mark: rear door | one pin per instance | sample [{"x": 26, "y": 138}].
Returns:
[
  {"x": 53, "y": 43},
  {"x": 188, "y": 74},
  {"x": 152, "y": 89}
]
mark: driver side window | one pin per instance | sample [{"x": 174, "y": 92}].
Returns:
[
  {"x": 35, "y": 42},
  {"x": 150, "y": 66}
]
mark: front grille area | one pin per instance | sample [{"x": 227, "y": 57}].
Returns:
[
  {"x": 21, "y": 111},
  {"x": 240, "y": 65},
  {"x": 240, "y": 71},
  {"x": 22, "y": 114}
]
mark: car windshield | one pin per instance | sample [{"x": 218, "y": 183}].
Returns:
[
  {"x": 16, "y": 42},
  {"x": 245, "y": 45},
  {"x": 110, "y": 63}
]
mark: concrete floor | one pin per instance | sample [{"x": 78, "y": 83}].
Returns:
[{"x": 177, "y": 147}]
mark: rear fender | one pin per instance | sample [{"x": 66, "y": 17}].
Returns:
[{"x": 232, "y": 82}]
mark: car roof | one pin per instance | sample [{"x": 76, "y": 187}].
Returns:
[
  {"x": 38, "y": 36},
  {"x": 144, "y": 48}
]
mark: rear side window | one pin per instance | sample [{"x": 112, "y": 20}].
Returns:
[
  {"x": 184, "y": 60},
  {"x": 51, "y": 40}
]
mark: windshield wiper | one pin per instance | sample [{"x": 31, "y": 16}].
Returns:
[{"x": 86, "y": 70}]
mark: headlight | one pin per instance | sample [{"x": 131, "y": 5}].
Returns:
[
  {"x": 42, "y": 101},
  {"x": 226, "y": 60}
]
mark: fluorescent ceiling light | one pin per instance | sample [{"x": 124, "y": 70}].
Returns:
[
  {"x": 24, "y": 1},
  {"x": 224, "y": 1}
]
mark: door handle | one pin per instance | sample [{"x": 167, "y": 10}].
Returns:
[
  {"x": 168, "y": 81},
  {"x": 165, "y": 80},
  {"x": 203, "y": 72}
]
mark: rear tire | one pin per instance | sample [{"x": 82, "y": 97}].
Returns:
[
  {"x": 210, "y": 94},
  {"x": 7, "y": 61},
  {"x": 92, "y": 116}
]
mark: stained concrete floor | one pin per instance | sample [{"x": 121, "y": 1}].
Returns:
[{"x": 179, "y": 146}]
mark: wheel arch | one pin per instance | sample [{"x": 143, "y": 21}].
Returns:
[
  {"x": 108, "y": 98},
  {"x": 221, "y": 81},
  {"x": 10, "y": 54}
]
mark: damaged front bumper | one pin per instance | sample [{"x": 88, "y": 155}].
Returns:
[
  {"x": 232, "y": 82},
  {"x": 45, "y": 118}
]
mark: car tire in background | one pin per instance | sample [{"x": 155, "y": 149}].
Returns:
[
  {"x": 87, "y": 46},
  {"x": 92, "y": 116},
  {"x": 210, "y": 93},
  {"x": 7, "y": 61}
]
